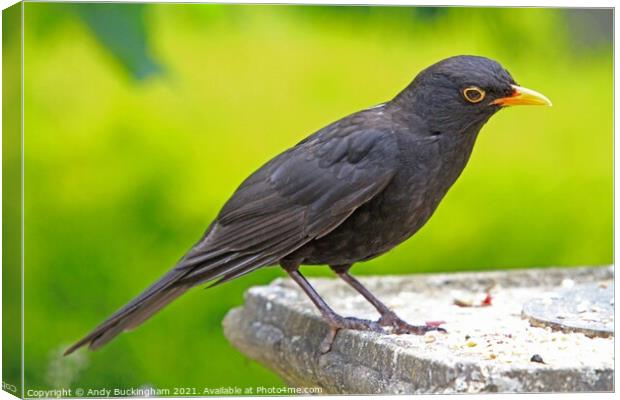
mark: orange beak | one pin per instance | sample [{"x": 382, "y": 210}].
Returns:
[{"x": 523, "y": 96}]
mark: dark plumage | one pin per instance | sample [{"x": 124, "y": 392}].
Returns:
[{"x": 348, "y": 193}]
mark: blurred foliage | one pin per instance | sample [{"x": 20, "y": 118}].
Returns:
[
  {"x": 122, "y": 176},
  {"x": 121, "y": 28}
]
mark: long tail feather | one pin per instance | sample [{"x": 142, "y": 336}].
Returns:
[{"x": 153, "y": 299}]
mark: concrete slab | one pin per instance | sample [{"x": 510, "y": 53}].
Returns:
[{"x": 488, "y": 347}]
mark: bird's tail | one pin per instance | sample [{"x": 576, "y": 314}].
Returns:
[
  {"x": 153, "y": 299},
  {"x": 202, "y": 263}
]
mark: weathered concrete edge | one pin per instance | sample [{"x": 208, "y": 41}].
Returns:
[
  {"x": 289, "y": 345},
  {"x": 549, "y": 276}
]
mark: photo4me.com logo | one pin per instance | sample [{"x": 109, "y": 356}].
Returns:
[{"x": 9, "y": 388}]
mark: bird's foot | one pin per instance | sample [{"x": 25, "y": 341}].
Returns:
[
  {"x": 400, "y": 327},
  {"x": 337, "y": 323}
]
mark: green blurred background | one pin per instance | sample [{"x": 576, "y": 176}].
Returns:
[{"x": 141, "y": 120}]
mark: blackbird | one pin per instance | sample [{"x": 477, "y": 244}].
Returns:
[{"x": 347, "y": 193}]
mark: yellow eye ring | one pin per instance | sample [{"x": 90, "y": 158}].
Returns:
[{"x": 473, "y": 94}]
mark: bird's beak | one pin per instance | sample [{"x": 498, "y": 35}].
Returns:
[{"x": 523, "y": 96}]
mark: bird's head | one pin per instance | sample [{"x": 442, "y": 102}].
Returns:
[{"x": 459, "y": 94}]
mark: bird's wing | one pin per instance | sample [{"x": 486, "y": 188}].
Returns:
[
  {"x": 299, "y": 196},
  {"x": 302, "y": 194}
]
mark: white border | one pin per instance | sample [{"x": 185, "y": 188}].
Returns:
[{"x": 479, "y": 3}]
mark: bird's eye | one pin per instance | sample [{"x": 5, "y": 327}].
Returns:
[{"x": 473, "y": 94}]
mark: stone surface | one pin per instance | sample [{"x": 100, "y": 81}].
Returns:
[
  {"x": 488, "y": 347},
  {"x": 587, "y": 308}
]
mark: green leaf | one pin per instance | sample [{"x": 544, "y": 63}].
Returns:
[{"x": 121, "y": 28}]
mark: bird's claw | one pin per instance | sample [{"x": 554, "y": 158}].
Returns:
[
  {"x": 401, "y": 327},
  {"x": 348, "y": 323}
]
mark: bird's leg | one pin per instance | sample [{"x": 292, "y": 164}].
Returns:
[
  {"x": 335, "y": 321},
  {"x": 388, "y": 317}
]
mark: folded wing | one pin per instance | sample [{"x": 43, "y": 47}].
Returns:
[{"x": 302, "y": 194}]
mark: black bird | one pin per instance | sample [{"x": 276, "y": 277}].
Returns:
[{"x": 350, "y": 192}]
